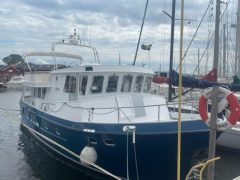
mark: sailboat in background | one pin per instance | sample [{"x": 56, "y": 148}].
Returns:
[
  {"x": 160, "y": 85},
  {"x": 230, "y": 139},
  {"x": 198, "y": 83}
]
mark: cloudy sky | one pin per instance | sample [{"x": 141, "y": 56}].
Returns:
[{"x": 111, "y": 26}]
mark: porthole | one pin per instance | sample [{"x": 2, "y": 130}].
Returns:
[
  {"x": 46, "y": 126},
  {"x": 92, "y": 140},
  {"x": 109, "y": 142},
  {"x": 57, "y": 131}
]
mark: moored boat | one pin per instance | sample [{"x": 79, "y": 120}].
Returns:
[
  {"x": 16, "y": 82},
  {"x": 229, "y": 139},
  {"x": 108, "y": 110}
]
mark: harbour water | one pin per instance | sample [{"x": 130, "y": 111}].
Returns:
[{"x": 22, "y": 158}]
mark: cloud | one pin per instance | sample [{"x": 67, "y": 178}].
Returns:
[
  {"x": 39, "y": 61},
  {"x": 112, "y": 27}
]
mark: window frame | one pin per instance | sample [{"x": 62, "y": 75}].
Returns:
[
  {"x": 129, "y": 82},
  {"x": 137, "y": 82},
  {"x": 94, "y": 84},
  {"x": 146, "y": 86},
  {"x": 81, "y": 90},
  {"x": 70, "y": 85},
  {"x": 110, "y": 88}
]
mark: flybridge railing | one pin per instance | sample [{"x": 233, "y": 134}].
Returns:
[
  {"x": 46, "y": 107},
  {"x": 80, "y": 45},
  {"x": 74, "y": 40},
  {"x": 95, "y": 53}
]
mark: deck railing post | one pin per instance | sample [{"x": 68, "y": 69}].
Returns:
[
  {"x": 192, "y": 109},
  {"x": 158, "y": 113},
  {"x": 89, "y": 115},
  {"x": 118, "y": 114}
]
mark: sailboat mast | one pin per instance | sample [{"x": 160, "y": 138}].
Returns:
[
  {"x": 237, "y": 53},
  {"x": 216, "y": 40},
  {"x": 224, "y": 50},
  {"x": 171, "y": 49}
]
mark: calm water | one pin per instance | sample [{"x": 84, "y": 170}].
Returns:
[{"x": 22, "y": 158}]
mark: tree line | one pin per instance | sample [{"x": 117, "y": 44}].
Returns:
[{"x": 13, "y": 59}]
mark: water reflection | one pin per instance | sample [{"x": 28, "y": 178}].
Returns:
[
  {"x": 45, "y": 165},
  {"x": 22, "y": 157}
]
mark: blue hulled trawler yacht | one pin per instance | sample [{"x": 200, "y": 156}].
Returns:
[{"x": 106, "y": 114}]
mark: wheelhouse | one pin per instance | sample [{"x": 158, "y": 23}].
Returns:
[{"x": 89, "y": 81}]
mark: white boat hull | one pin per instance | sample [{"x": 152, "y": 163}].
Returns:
[
  {"x": 230, "y": 139},
  {"x": 15, "y": 86}
]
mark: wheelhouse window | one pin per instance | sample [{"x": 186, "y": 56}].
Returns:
[
  {"x": 97, "y": 84},
  {"x": 147, "y": 85},
  {"x": 138, "y": 84},
  {"x": 70, "y": 84},
  {"x": 27, "y": 91},
  {"x": 39, "y": 92},
  {"x": 35, "y": 92},
  {"x": 112, "y": 83},
  {"x": 44, "y": 92},
  {"x": 126, "y": 83},
  {"x": 83, "y": 84}
]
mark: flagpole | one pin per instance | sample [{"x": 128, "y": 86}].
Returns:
[{"x": 140, "y": 33}]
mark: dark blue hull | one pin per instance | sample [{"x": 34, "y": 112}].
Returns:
[{"x": 155, "y": 148}]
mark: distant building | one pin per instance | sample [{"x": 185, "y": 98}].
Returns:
[
  {"x": 7, "y": 72},
  {"x": 40, "y": 67}
]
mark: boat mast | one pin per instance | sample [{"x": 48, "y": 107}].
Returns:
[
  {"x": 171, "y": 49},
  {"x": 237, "y": 51},
  {"x": 140, "y": 33},
  {"x": 224, "y": 50}
]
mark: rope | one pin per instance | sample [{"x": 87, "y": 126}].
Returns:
[
  {"x": 211, "y": 37},
  {"x": 10, "y": 109},
  {"x": 62, "y": 147},
  {"x": 135, "y": 155},
  {"x": 87, "y": 109},
  {"x": 105, "y": 113},
  {"x": 127, "y": 157},
  {"x": 195, "y": 32},
  {"x": 125, "y": 115}
]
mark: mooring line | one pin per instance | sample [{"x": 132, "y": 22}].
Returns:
[{"x": 55, "y": 143}]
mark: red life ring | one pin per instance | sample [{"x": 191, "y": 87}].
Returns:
[{"x": 231, "y": 100}]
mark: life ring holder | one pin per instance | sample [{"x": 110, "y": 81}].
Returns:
[{"x": 233, "y": 117}]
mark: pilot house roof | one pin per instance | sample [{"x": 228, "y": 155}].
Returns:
[{"x": 106, "y": 68}]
